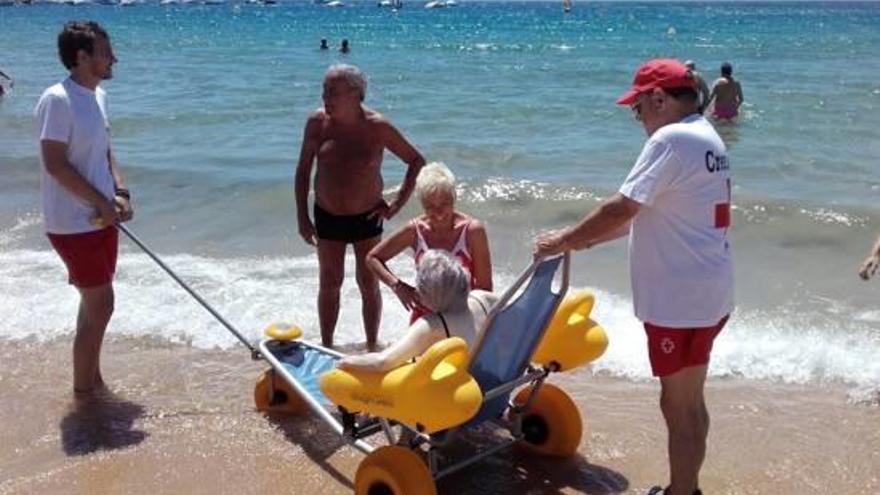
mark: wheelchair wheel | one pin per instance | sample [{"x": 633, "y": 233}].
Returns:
[
  {"x": 552, "y": 423},
  {"x": 393, "y": 470},
  {"x": 273, "y": 394}
]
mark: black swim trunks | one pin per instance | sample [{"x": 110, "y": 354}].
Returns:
[{"x": 346, "y": 228}]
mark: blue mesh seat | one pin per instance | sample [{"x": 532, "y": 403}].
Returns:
[{"x": 510, "y": 337}]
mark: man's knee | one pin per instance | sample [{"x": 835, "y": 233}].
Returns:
[
  {"x": 680, "y": 404},
  {"x": 98, "y": 302},
  {"x": 331, "y": 279},
  {"x": 367, "y": 281}
]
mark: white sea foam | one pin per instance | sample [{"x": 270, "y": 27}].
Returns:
[{"x": 785, "y": 345}]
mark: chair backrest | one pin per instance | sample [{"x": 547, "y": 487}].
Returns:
[{"x": 513, "y": 331}]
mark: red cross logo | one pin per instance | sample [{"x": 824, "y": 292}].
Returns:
[{"x": 667, "y": 345}]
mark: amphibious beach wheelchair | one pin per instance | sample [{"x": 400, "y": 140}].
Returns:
[{"x": 421, "y": 407}]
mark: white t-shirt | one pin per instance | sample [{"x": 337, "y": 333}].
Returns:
[
  {"x": 680, "y": 263},
  {"x": 76, "y": 116}
]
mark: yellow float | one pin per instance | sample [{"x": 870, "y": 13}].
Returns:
[
  {"x": 432, "y": 394},
  {"x": 282, "y": 331},
  {"x": 572, "y": 338},
  {"x": 273, "y": 394},
  {"x": 393, "y": 470},
  {"x": 552, "y": 424}
]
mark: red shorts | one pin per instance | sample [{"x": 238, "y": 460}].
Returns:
[
  {"x": 672, "y": 349},
  {"x": 90, "y": 257}
]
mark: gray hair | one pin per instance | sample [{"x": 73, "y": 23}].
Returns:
[
  {"x": 433, "y": 178},
  {"x": 351, "y": 74},
  {"x": 441, "y": 281}
]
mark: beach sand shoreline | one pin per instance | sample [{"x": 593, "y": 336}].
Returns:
[{"x": 184, "y": 422}]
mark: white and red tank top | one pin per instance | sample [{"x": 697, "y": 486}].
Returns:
[{"x": 459, "y": 251}]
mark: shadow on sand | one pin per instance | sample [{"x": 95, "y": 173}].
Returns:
[
  {"x": 101, "y": 421},
  {"x": 317, "y": 440},
  {"x": 511, "y": 471}
]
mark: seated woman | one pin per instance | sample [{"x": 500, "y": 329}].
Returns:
[
  {"x": 443, "y": 287},
  {"x": 440, "y": 227}
]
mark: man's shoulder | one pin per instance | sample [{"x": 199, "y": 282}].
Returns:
[
  {"x": 55, "y": 92},
  {"x": 319, "y": 115},
  {"x": 374, "y": 117},
  {"x": 692, "y": 133},
  {"x": 317, "y": 120},
  {"x": 684, "y": 133}
]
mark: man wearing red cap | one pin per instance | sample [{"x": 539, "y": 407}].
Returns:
[{"x": 675, "y": 206}]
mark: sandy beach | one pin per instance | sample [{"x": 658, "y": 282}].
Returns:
[
  {"x": 182, "y": 421},
  {"x": 207, "y": 107}
]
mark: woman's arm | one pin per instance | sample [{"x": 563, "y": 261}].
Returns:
[
  {"x": 418, "y": 338},
  {"x": 388, "y": 248},
  {"x": 478, "y": 246}
]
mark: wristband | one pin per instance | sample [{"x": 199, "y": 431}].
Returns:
[{"x": 123, "y": 193}]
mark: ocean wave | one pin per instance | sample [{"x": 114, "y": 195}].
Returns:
[{"x": 788, "y": 344}]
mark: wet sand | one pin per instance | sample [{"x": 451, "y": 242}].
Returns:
[{"x": 182, "y": 421}]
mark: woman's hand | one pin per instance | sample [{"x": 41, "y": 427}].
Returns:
[{"x": 408, "y": 295}]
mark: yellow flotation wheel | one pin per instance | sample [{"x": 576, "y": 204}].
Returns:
[
  {"x": 393, "y": 470},
  {"x": 552, "y": 423},
  {"x": 282, "y": 331},
  {"x": 273, "y": 394}
]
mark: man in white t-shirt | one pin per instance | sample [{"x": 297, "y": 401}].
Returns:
[
  {"x": 675, "y": 206},
  {"x": 81, "y": 182}
]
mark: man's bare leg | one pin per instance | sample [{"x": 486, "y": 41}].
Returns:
[
  {"x": 95, "y": 310},
  {"x": 331, "y": 268},
  {"x": 371, "y": 296},
  {"x": 687, "y": 420}
]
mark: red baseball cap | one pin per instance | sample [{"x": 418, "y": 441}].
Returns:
[{"x": 658, "y": 73}]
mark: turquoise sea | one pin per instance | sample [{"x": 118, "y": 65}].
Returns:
[{"x": 207, "y": 107}]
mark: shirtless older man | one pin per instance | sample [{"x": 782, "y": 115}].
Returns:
[{"x": 348, "y": 140}]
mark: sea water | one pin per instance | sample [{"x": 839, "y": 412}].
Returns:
[{"x": 207, "y": 107}]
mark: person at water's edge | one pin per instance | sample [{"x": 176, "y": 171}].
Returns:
[
  {"x": 347, "y": 140},
  {"x": 675, "y": 207},
  {"x": 81, "y": 179}
]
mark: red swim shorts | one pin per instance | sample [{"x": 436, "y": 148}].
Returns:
[
  {"x": 672, "y": 349},
  {"x": 90, "y": 257}
]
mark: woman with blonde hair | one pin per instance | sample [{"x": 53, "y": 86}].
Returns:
[{"x": 441, "y": 226}]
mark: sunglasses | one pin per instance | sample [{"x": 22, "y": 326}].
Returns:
[
  {"x": 636, "y": 107},
  {"x": 637, "y": 110}
]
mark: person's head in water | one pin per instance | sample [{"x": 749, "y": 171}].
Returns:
[
  {"x": 442, "y": 283},
  {"x": 84, "y": 48},
  {"x": 344, "y": 48},
  {"x": 690, "y": 64},
  {"x": 324, "y": 45},
  {"x": 726, "y": 70}
]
